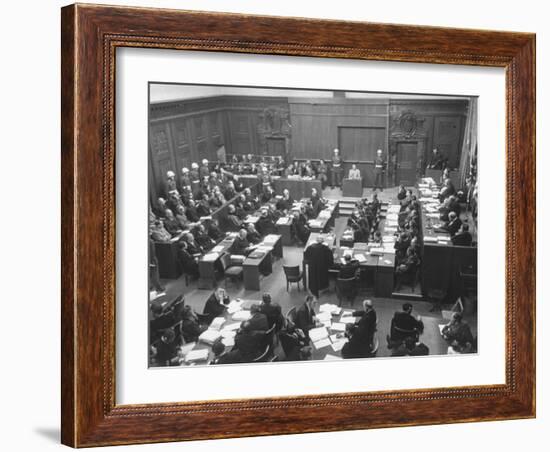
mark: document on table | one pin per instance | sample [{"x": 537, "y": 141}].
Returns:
[
  {"x": 197, "y": 355},
  {"x": 231, "y": 327},
  {"x": 241, "y": 315},
  {"x": 329, "y": 357},
  {"x": 347, "y": 319},
  {"x": 234, "y": 306},
  {"x": 217, "y": 249},
  {"x": 338, "y": 345},
  {"x": 338, "y": 326},
  {"x": 329, "y": 307},
  {"x": 228, "y": 341},
  {"x": 209, "y": 336},
  {"x": 322, "y": 343},
  {"x": 316, "y": 334},
  {"x": 360, "y": 258},
  {"x": 323, "y": 316},
  {"x": 217, "y": 323},
  {"x": 210, "y": 257}
]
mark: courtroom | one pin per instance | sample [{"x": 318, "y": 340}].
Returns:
[{"x": 294, "y": 225}]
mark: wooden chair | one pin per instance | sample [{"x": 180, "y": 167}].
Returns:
[
  {"x": 230, "y": 271},
  {"x": 346, "y": 288},
  {"x": 264, "y": 356},
  {"x": 291, "y": 315},
  {"x": 293, "y": 274}
]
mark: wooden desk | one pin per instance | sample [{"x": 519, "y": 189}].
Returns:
[
  {"x": 352, "y": 188},
  {"x": 298, "y": 188},
  {"x": 253, "y": 268},
  {"x": 284, "y": 228},
  {"x": 207, "y": 268}
]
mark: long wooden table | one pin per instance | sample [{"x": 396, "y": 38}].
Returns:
[
  {"x": 298, "y": 188},
  {"x": 441, "y": 260}
]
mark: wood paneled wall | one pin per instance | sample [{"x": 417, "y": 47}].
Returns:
[{"x": 182, "y": 132}]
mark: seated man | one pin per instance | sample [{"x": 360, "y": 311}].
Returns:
[
  {"x": 252, "y": 235},
  {"x": 286, "y": 202},
  {"x": 305, "y": 316},
  {"x": 350, "y": 268},
  {"x": 258, "y": 320},
  {"x": 171, "y": 224},
  {"x": 272, "y": 311},
  {"x": 294, "y": 343},
  {"x": 224, "y": 356},
  {"x": 187, "y": 260},
  {"x": 166, "y": 349},
  {"x": 458, "y": 333},
  {"x": 240, "y": 245},
  {"x": 233, "y": 222},
  {"x": 193, "y": 247},
  {"x": 404, "y": 325},
  {"x": 191, "y": 327},
  {"x": 265, "y": 225},
  {"x": 191, "y": 212},
  {"x": 203, "y": 208},
  {"x": 407, "y": 268},
  {"x": 214, "y": 231},
  {"x": 463, "y": 237},
  {"x": 202, "y": 238},
  {"x": 268, "y": 194},
  {"x": 452, "y": 226},
  {"x": 216, "y": 304},
  {"x": 250, "y": 343},
  {"x": 159, "y": 233},
  {"x": 354, "y": 172},
  {"x": 402, "y": 193}
]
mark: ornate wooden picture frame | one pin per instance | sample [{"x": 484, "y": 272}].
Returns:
[{"x": 90, "y": 37}]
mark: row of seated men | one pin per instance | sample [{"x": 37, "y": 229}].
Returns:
[
  {"x": 267, "y": 328},
  {"x": 196, "y": 232}
]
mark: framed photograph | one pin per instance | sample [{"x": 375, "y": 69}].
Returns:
[{"x": 282, "y": 225}]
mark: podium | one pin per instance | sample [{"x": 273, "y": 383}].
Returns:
[{"x": 352, "y": 188}]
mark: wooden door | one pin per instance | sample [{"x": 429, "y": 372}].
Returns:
[
  {"x": 447, "y": 137},
  {"x": 406, "y": 163}
]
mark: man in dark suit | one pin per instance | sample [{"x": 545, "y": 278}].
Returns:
[
  {"x": 258, "y": 320},
  {"x": 286, "y": 202},
  {"x": 214, "y": 230},
  {"x": 216, "y": 304},
  {"x": 361, "y": 335},
  {"x": 463, "y": 237},
  {"x": 252, "y": 235},
  {"x": 404, "y": 324},
  {"x": 233, "y": 222},
  {"x": 265, "y": 225},
  {"x": 453, "y": 225},
  {"x": 272, "y": 311},
  {"x": 319, "y": 258},
  {"x": 249, "y": 342},
  {"x": 240, "y": 245},
  {"x": 305, "y": 315},
  {"x": 349, "y": 269}
]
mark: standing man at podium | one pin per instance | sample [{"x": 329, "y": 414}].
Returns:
[
  {"x": 379, "y": 169},
  {"x": 354, "y": 172}
]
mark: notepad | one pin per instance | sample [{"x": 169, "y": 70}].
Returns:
[
  {"x": 316, "y": 334},
  {"x": 197, "y": 355}
]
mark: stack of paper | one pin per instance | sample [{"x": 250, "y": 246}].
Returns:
[
  {"x": 316, "y": 334},
  {"x": 234, "y": 306},
  {"x": 241, "y": 315},
  {"x": 271, "y": 238},
  {"x": 283, "y": 220},
  {"x": 217, "y": 323},
  {"x": 228, "y": 341},
  {"x": 197, "y": 355},
  {"x": 225, "y": 333},
  {"x": 360, "y": 257},
  {"x": 329, "y": 357},
  {"x": 324, "y": 316},
  {"x": 332, "y": 308},
  {"x": 347, "y": 319},
  {"x": 231, "y": 327},
  {"x": 209, "y": 336}
]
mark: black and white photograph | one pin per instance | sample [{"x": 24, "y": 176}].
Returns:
[{"x": 309, "y": 225}]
